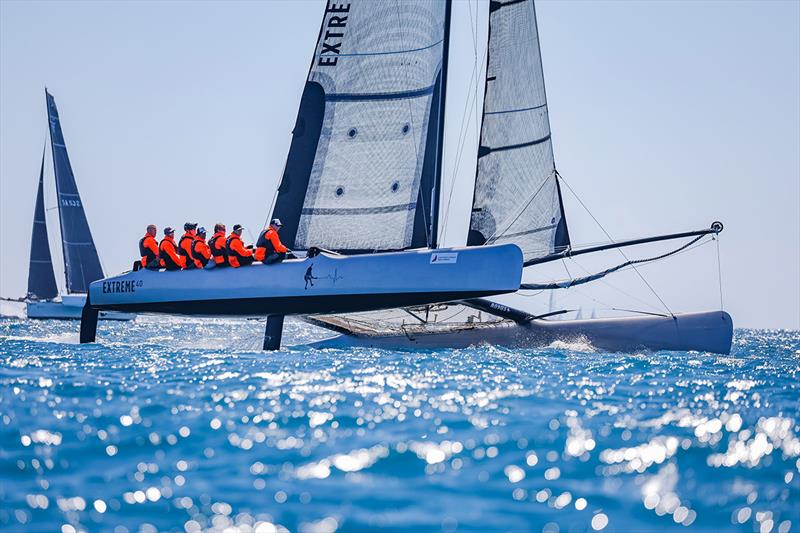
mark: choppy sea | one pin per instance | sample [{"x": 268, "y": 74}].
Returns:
[{"x": 185, "y": 425}]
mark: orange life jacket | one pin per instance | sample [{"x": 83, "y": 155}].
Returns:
[
  {"x": 169, "y": 255},
  {"x": 269, "y": 242},
  {"x": 185, "y": 249},
  {"x": 219, "y": 248},
  {"x": 236, "y": 250},
  {"x": 201, "y": 251},
  {"x": 148, "y": 249}
]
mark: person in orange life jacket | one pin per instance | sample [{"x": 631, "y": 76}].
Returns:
[
  {"x": 168, "y": 251},
  {"x": 218, "y": 247},
  {"x": 269, "y": 248},
  {"x": 148, "y": 249},
  {"x": 238, "y": 255},
  {"x": 185, "y": 246},
  {"x": 200, "y": 250}
]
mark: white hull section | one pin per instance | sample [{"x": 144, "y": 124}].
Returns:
[
  {"x": 69, "y": 308},
  {"x": 708, "y": 331}
]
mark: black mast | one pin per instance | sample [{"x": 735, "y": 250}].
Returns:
[{"x": 435, "y": 193}]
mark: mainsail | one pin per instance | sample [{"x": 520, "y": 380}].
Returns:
[
  {"x": 81, "y": 263},
  {"x": 364, "y": 163},
  {"x": 41, "y": 278},
  {"x": 517, "y": 197}
]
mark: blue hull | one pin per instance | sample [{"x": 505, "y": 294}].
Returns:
[{"x": 322, "y": 284}]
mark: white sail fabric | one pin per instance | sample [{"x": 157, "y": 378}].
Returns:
[
  {"x": 517, "y": 198},
  {"x": 378, "y": 63}
]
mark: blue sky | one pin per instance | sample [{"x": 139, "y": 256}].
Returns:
[{"x": 665, "y": 116}]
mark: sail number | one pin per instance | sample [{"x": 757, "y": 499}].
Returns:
[{"x": 70, "y": 203}]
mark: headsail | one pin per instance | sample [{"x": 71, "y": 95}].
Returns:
[
  {"x": 517, "y": 196},
  {"x": 41, "y": 278},
  {"x": 81, "y": 263},
  {"x": 362, "y": 170}
]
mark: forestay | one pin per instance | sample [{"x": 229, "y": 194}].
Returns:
[
  {"x": 517, "y": 197},
  {"x": 41, "y": 278},
  {"x": 81, "y": 263},
  {"x": 362, "y": 168}
]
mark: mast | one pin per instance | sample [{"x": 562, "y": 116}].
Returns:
[{"x": 437, "y": 186}]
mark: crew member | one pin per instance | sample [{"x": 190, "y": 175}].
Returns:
[
  {"x": 185, "y": 246},
  {"x": 269, "y": 248},
  {"x": 200, "y": 250},
  {"x": 148, "y": 249},
  {"x": 238, "y": 255},
  {"x": 168, "y": 251},
  {"x": 218, "y": 246}
]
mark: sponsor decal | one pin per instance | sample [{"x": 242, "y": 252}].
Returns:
[
  {"x": 118, "y": 287},
  {"x": 333, "y": 32},
  {"x": 309, "y": 278},
  {"x": 499, "y": 307},
  {"x": 444, "y": 258}
]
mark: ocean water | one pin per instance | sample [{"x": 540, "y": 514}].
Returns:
[{"x": 184, "y": 425}]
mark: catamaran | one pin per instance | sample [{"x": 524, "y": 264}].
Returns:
[
  {"x": 361, "y": 190},
  {"x": 81, "y": 262}
]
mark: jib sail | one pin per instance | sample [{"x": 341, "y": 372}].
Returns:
[
  {"x": 81, "y": 263},
  {"x": 363, "y": 166},
  {"x": 41, "y": 278},
  {"x": 517, "y": 196}
]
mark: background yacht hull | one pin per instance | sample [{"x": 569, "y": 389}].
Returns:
[{"x": 69, "y": 308}]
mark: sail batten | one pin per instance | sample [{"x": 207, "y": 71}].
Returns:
[
  {"x": 41, "y": 277},
  {"x": 362, "y": 166},
  {"x": 517, "y": 197},
  {"x": 81, "y": 262}
]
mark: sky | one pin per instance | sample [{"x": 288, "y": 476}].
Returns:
[{"x": 665, "y": 116}]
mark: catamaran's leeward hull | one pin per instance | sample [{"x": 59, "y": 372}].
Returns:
[
  {"x": 708, "y": 332},
  {"x": 68, "y": 310},
  {"x": 322, "y": 284}
]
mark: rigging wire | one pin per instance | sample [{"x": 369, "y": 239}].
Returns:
[
  {"x": 685, "y": 249},
  {"x": 629, "y": 263},
  {"x": 625, "y": 293},
  {"x": 719, "y": 272},
  {"x": 559, "y": 176},
  {"x": 465, "y": 120},
  {"x": 497, "y": 234},
  {"x": 271, "y": 210}
]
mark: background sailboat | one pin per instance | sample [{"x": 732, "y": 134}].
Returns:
[{"x": 81, "y": 261}]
